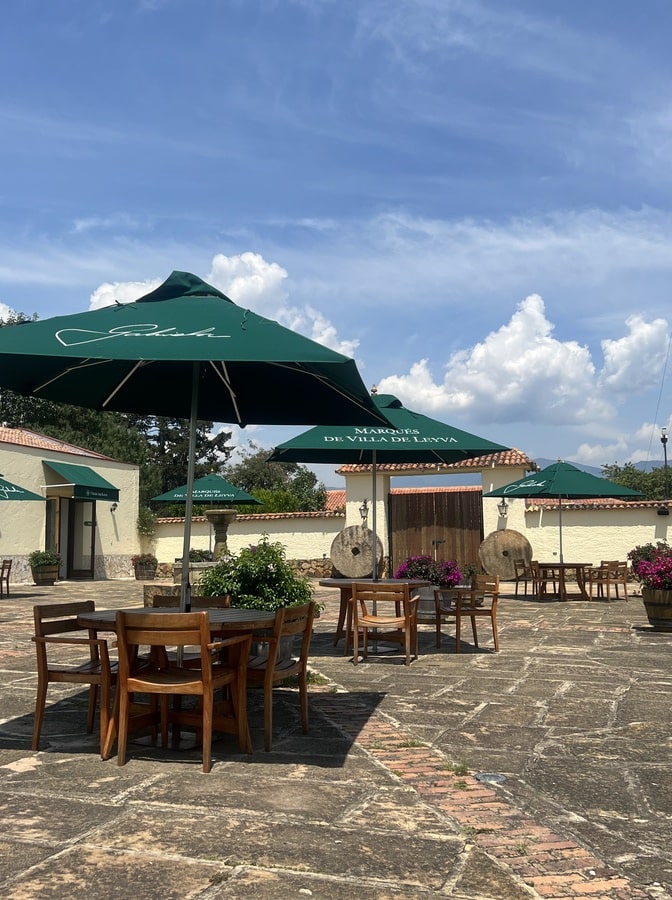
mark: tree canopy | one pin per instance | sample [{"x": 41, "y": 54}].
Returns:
[
  {"x": 282, "y": 487},
  {"x": 651, "y": 484}
]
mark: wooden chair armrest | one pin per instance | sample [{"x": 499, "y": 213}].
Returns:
[{"x": 230, "y": 641}]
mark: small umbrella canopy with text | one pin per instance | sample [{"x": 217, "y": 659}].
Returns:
[
  {"x": 9, "y": 491},
  {"x": 185, "y": 350},
  {"x": 563, "y": 481},
  {"x": 209, "y": 489},
  {"x": 410, "y": 437}
]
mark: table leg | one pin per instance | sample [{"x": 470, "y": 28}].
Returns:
[{"x": 341, "y": 628}]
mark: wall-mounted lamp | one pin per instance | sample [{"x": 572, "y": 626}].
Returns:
[
  {"x": 503, "y": 507},
  {"x": 114, "y": 506},
  {"x": 364, "y": 512}
]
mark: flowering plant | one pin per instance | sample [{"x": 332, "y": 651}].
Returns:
[
  {"x": 442, "y": 573},
  {"x": 652, "y": 565},
  {"x": 145, "y": 559}
]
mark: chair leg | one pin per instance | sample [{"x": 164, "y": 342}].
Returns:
[
  {"x": 458, "y": 625},
  {"x": 303, "y": 697},
  {"x": 495, "y": 636},
  {"x": 91, "y": 713},
  {"x": 40, "y": 703},
  {"x": 207, "y": 707},
  {"x": 473, "y": 629}
]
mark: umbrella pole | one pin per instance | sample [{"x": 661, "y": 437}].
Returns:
[
  {"x": 374, "y": 520},
  {"x": 185, "y": 591},
  {"x": 560, "y": 523}
]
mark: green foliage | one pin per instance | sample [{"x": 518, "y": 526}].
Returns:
[
  {"x": 283, "y": 487},
  {"x": 651, "y": 484},
  {"x": 44, "y": 558},
  {"x": 260, "y": 577},
  {"x": 200, "y": 555},
  {"x": 146, "y": 522}
]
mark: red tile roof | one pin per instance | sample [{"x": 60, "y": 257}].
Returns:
[
  {"x": 509, "y": 458},
  {"x": 22, "y": 437}
]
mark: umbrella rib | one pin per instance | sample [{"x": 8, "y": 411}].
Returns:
[
  {"x": 224, "y": 378},
  {"x": 299, "y": 367},
  {"x": 123, "y": 381},
  {"x": 85, "y": 364}
]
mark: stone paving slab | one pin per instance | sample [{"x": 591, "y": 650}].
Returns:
[{"x": 381, "y": 799}]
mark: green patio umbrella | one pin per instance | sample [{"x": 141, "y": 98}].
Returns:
[
  {"x": 9, "y": 491},
  {"x": 184, "y": 350},
  {"x": 412, "y": 437},
  {"x": 563, "y": 481},
  {"x": 209, "y": 489}
]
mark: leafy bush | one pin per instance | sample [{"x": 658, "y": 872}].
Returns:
[
  {"x": 260, "y": 577},
  {"x": 200, "y": 555},
  {"x": 44, "y": 558},
  {"x": 442, "y": 573}
]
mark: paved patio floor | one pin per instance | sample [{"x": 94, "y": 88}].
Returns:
[{"x": 543, "y": 770}]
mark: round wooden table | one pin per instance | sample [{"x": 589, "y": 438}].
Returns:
[{"x": 230, "y": 619}]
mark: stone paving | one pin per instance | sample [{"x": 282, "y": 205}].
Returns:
[{"x": 397, "y": 790}]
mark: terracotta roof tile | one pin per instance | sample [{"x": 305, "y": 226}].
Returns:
[
  {"x": 22, "y": 437},
  {"x": 335, "y": 500},
  {"x": 511, "y": 458}
]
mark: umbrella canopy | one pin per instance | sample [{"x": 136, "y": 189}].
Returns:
[
  {"x": 563, "y": 481},
  {"x": 412, "y": 437},
  {"x": 9, "y": 491},
  {"x": 209, "y": 489},
  {"x": 184, "y": 350}
]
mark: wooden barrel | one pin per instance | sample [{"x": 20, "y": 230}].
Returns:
[{"x": 658, "y": 605}]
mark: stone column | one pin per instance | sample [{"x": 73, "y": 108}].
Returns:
[{"x": 221, "y": 519}]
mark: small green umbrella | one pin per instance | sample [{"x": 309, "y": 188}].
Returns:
[
  {"x": 185, "y": 350},
  {"x": 412, "y": 438},
  {"x": 563, "y": 481},
  {"x": 9, "y": 491},
  {"x": 209, "y": 489}
]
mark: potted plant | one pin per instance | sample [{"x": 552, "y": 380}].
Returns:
[
  {"x": 652, "y": 567},
  {"x": 44, "y": 566},
  {"x": 439, "y": 573},
  {"x": 145, "y": 565},
  {"x": 259, "y": 577}
]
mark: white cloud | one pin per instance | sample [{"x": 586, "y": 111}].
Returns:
[
  {"x": 635, "y": 362},
  {"x": 121, "y": 292},
  {"x": 519, "y": 373}
]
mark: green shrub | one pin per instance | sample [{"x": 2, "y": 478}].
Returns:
[
  {"x": 44, "y": 558},
  {"x": 260, "y": 577}
]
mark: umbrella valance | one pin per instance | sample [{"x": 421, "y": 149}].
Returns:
[{"x": 209, "y": 489}]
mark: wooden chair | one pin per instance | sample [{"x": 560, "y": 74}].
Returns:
[
  {"x": 523, "y": 573},
  {"x": 55, "y": 623},
  {"x": 5, "y": 569},
  {"x": 541, "y": 575},
  {"x": 165, "y": 679},
  {"x": 479, "y": 601},
  {"x": 270, "y": 669},
  {"x": 390, "y": 612},
  {"x": 608, "y": 573}
]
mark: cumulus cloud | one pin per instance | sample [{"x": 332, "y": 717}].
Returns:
[
  {"x": 634, "y": 362},
  {"x": 121, "y": 292},
  {"x": 5, "y": 311},
  {"x": 519, "y": 373}
]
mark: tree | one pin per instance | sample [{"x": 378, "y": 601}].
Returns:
[
  {"x": 651, "y": 484},
  {"x": 283, "y": 487}
]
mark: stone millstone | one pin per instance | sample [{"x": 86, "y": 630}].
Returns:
[
  {"x": 498, "y": 551},
  {"x": 352, "y": 552}
]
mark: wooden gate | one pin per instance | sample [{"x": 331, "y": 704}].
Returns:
[{"x": 442, "y": 524}]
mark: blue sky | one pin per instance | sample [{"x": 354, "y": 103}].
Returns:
[{"x": 471, "y": 198}]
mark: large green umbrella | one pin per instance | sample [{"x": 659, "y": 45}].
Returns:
[
  {"x": 412, "y": 438},
  {"x": 9, "y": 491},
  {"x": 209, "y": 489},
  {"x": 184, "y": 350},
  {"x": 563, "y": 481}
]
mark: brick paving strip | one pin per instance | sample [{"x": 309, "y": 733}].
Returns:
[{"x": 554, "y": 867}]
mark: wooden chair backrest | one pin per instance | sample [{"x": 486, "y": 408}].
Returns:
[
  {"x": 365, "y": 594},
  {"x": 163, "y": 630}
]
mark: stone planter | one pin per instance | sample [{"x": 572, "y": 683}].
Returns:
[
  {"x": 44, "y": 575},
  {"x": 658, "y": 606},
  {"x": 285, "y": 647}
]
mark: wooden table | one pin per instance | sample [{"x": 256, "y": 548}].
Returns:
[
  {"x": 561, "y": 568},
  {"x": 230, "y": 619},
  {"x": 221, "y": 620},
  {"x": 345, "y": 587}
]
